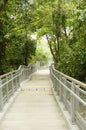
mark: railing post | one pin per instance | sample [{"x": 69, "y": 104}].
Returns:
[
  {"x": 23, "y": 73},
  {"x": 77, "y": 102},
  {"x": 17, "y": 81},
  {"x": 1, "y": 97},
  {"x": 57, "y": 84},
  {"x": 12, "y": 83},
  {"x": 65, "y": 94},
  {"x": 20, "y": 76},
  {"x": 26, "y": 73},
  {"x": 73, "y": 104},
  {"x": 53, "y": 81},
  {"x": 60, "y": 93},
  {"x": 7, "y": 93}
]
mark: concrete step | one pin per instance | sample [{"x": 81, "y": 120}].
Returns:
[{"x": 39, "y": 77}]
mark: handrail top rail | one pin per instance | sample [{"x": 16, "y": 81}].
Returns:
[
  {"x": 14, "y": 71},
  {"x": 83, "y": 85},
  {"x": 4, "y": 75}
]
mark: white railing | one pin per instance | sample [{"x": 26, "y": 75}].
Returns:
[
  {"x": 72, "y": 93},
  {"x": 10, "y": 82}
]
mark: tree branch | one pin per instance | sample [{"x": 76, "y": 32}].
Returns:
[{"x": 49, "y": 43}]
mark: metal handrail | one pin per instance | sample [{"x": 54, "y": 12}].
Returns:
[
  {"x": 83, "y": 85},
  {"x": 10, "y": 82},
  {"x": 72, "y": 96}
]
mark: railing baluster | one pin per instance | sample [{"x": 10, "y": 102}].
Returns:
[
  {"x": 72, "y": 104},
  {"x": 1, "y": 97},
  {"x": 12, "y": 84},
  {"x": 65, "y": 93},
  {"x": 60, "y": 88},
  {"x": 77, "y": 102},
  {"x": 7, "y": 92}
]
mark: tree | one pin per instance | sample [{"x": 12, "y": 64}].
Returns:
[
  {"x": 73, "y": 62},
  {"x": 3, "y": 42},
  {"x": 29, "y": 49},
  {"x": 16, "y": 45},
  {"x": 61, "y": 22},
  {"x": 3, "y": 4}
]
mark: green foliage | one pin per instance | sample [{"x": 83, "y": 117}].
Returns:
[
  {"x": 73, "y": 60},
  {"x": 41, "y": 57},
  {"x": 29, "y": 49},
  {"x": 19, "y": 50},
  {"x": 3, "y": 42},
  {"x": 16, "y": 44},
  {"x": 62, "y": 22},
  {"x": 74, "y": 64}
]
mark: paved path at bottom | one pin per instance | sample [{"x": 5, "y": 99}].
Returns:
[{"x": 35, "y": 107}]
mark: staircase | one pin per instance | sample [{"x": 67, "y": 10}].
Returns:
[{"x": 35, "y": 107}]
